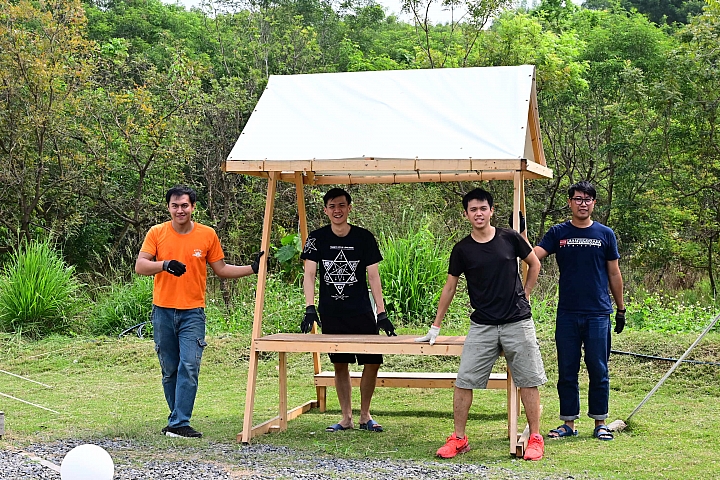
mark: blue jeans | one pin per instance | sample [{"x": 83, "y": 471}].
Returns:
[
  {"x": 572, "y": 332},
  {"x": 179, "y": 342}
]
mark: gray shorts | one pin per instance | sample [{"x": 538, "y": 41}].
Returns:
[{"x": 483, "y": 346}]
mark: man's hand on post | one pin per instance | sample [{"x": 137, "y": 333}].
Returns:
[
  {"x": 255, "y": 265},
  {"x": 310, "y": 317},
  {"x": 619, "y": 320},
  {"x": 431, "y": 335},
  {"x": 522, "y": 221},
  {"x": 174, "y": 267},
  {"x": 384, "y": 324}
]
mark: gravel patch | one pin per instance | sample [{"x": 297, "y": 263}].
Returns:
[{"x": 134, "y": 461}]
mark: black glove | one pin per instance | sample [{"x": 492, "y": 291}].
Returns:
[
  {"x": 522, "y": 221},
  {"x": 619, "y": 320},
  {"x": 310, "y": 317},
  {"x": 174, "y": 267},
  {"x": 384, "y": 324},
  {"x": 255, "y": 265}
]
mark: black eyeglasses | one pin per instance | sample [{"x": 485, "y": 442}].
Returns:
[{"x": 581, "y": 200}]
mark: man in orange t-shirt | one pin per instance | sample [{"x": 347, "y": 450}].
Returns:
[{"x": 176, "y": 252}]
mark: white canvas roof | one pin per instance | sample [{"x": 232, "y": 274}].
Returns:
[{"x": 399, "y": 122}]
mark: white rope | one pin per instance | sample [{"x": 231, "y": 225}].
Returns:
[
  {"x": 29, "y": 403},
  {"x": 25, "y": 378}
]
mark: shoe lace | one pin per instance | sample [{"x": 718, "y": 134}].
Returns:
[{"x": 535, "y": 440}]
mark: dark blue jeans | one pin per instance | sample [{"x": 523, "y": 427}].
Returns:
[
  {"x": 574, "y": 331},
  {"x": 179, "y": 342}
]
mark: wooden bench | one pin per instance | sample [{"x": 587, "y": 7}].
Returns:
[
  {"x": 498, "y": 381},
  {"x": 284, "y": 343}
]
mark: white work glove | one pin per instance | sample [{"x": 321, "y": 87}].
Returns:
[{"x": 431, "y": 335}]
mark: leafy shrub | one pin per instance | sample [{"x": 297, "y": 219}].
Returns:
[
  {"x": 413, "y": 272},
  {"x": 38, "y": 292},
  {"x": 122, "y": 305},
  {"x": 288, "y": 255}
]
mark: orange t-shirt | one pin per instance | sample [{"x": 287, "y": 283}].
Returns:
[{"x": 194, "y": 249}]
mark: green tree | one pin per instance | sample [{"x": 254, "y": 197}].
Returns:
[
  {"x": 439, "y": 44},
  {"x": 136, "y": 136},
  {"x": 44, "y": 65},
  {"x": 692, "y": 141}
]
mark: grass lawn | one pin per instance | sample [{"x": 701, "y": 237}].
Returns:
[{"x": 108, "y": 388}]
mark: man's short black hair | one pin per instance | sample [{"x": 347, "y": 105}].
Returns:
[
  {"x": 477, "y": 194},
  {"x": 582, "y": 187},
  {"x": 334, "y": 193},
  {"x": 179, "y": 191}
]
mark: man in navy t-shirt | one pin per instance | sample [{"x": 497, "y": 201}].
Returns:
[
  {"x": 587, "y": 256},
  {"x": 346, "y": 258}
]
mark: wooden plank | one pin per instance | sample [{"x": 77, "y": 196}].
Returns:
[
  {"x": 363, "y": 165},
  {"x": 534, "y": 126},
  {"x": 259, "y": 304},
  {"x": 522, "y": 441},
  {"x": 513, "y": 409},
  {"x": 244, "y": 166},
  {"x": 459, "y": 165},
  {"x": 411, "y": 380},
  {"x": 303, "y": 228},
  {"x": 422, "y": 177},
  {"x": 282, "y": 390},
  {"x": 535, "y": 170},
  {"x": 517, "y": 199},
  {"x": 523, "y": 438},
  {"x": 272, "y": 424},
  {"x": 401, "y": 344}
]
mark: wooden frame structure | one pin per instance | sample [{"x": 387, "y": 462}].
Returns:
[{"x": 528, "y": 164}]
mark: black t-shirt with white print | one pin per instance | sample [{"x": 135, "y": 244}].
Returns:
[{"x": 342, "y": 264}]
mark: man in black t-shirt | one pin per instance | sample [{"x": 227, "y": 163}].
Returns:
[
  {"x": 501, "y": 320},
  {"x": 347, "y": 257}
]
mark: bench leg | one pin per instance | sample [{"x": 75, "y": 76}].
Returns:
[
  {"x": 322, "y": 398},
  {"x": 513, "y": 409},
  {"x": 283, "y": 407},
  {"x": 246, "y": 433}
]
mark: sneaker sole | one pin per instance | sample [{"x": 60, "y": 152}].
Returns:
[
  {"x": 175, "y": 435},
  {"x": 464, "y": 450}
]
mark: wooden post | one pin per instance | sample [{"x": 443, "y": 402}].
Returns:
[
  {"x": 513, "y": 393},
  {"x": 259, "y": 304},
  {"x": 519, "y": 206},
  {"x": 283, "y": 403},
  {"x": 513, "y": 409},
  {"x": 302, "y": 216}
]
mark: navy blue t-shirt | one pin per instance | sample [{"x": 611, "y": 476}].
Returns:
[
  {"x": 582, "y": 255},
  {"x": 492, "y": 275},
  {"x": 342, "y": 264}
]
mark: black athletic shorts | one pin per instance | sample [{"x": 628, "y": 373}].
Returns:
[{"x": 348, "y": 325}]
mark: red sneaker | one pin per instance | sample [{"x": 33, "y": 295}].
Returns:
[
  {"x": 535, "y": 448},
  {"x": 453, "y": 446}
]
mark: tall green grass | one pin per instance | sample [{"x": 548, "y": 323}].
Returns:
[
  {"x": 413, "y": 272},
  {"x": 122, "y": 305},
  {"x": 668, "y": 313},
  {"x": 38, "y": 292}
]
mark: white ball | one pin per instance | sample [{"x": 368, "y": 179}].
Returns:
[{"x": 87, "y": 462}]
